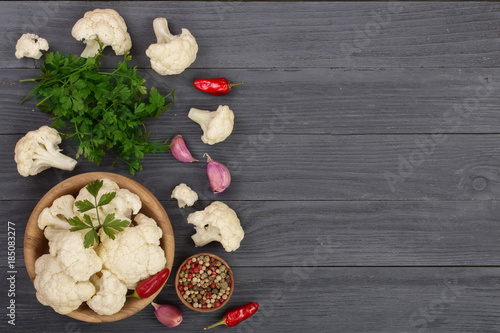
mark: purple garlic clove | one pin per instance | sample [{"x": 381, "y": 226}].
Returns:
[
  {"x": 218, "y": 175},
  {"x": 180, "y": 151}
]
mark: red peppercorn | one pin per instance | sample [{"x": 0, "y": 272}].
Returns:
[
  {"x": 196, "y": 270},
  {"x": 217, "y": 304},
  {"x": 182, "y": 292},
  {"x": 181, "y": 287},
  {"x": 190, "y": 276},
  {"x": 204, "y": 306},
  {"x": 212, "y": 286},
  {"x": 219, "y": 86},
  {"x": 190, "y": 285},
  {"x": 183, "y": 268}
]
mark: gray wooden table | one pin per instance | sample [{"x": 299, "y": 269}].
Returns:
[{"x": 365, "y": 160}]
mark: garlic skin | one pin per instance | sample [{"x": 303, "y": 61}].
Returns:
[
  {"x": 180, "y": 151},
  {"x": 218, "y": 175}
]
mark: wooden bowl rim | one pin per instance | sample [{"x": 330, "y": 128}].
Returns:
[
  {"x": 179, "y": 292},
  {"x": 72, "y": 186}
]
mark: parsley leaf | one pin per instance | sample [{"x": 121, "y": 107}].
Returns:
[
  {"x": 90, "y": 238},
  {"x": 77, "y": 224},
  {"x": 94, "y": 187},
  {"x": 106, "y": 199},
  {"x": 84, "y": 205},
  {"x": 110, "y": 225}
]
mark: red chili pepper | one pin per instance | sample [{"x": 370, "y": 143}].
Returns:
[
  {"x": 237, "y": 315},
  {"x": 219, "y": 86},
  {"x": 148, "y": 287}
]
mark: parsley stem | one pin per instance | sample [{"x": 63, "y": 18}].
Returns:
[
  {"x": 97, "y": 213},
  {"x": 43, "y": 100}
]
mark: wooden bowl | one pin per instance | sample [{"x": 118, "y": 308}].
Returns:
[
  {"x": 186, "y": 303},
  {"x": 35, "y": 243}
]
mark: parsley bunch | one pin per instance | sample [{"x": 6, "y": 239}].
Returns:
[
  {"x": 104, "y": 111},
  {"x": 110, "y": 225}
]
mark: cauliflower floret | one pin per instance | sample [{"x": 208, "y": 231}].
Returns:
[
  {"x": 218, "y": 223},
  {"x": 171, "y": 54},
  {"x": 185, "y": 195},
  {"x": 57, "y": 215},
  {"x": 105, "y": 24},
  {"x": 124, "y": 204},
  {"x": 216, "y": 125},
  {"x": 110, "y": 296},
  {"x": 30, "y": 46},
  {"x": 135, "y": 253},
  {"x": 38, "y": 150},
  {"x": 75, "y": 260},
  {"x": 57, "y": 289}
]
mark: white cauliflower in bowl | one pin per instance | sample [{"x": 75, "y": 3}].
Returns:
[
  {"x": 102, "y": 271},
  {"x": 57, "y": 289},
  {"x": 135, "y": 254}
]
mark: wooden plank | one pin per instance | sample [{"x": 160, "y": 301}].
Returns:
[
  {"x": 279, "y": 34},
  {"x": 336, "y": 299},
  {"x": 377, "y": 233},
  {"x": 305, "y": 167},
  {"x": 310, "y": 101}
]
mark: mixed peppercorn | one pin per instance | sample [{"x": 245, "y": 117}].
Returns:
[{"x": 204, "y": 282}]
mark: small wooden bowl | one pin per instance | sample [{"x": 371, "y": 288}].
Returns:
[
  {"x": 36, "y": 245},
  {"x": 186, "y": 302}
]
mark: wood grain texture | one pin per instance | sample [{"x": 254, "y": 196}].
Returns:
[
  {"x": 297, "y": 34},
  {"x": 337, "y": 299},
  {"x": 346, "y": 233},
  {"x": 306, "y": 167},
  {"x": 310, "y": 101}
]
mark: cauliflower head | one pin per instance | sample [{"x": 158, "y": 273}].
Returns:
[
  {"x": 107, "y": 26},
  {"x": 135, "y": 253},
  {"x": 57, "y": 289},
  {"x": 216, "y": 125},
  {"x": 171, "y": 54},
  {"x": 30, "y": 46},
  {"x": 185, "y": 195},
  {"x": 110, "y": 296},
  {"x": 57, "y": 215},
  {"x": 75, "y": 260},
  {"x": 39, "y": 150},
  {"x": 217, "y": 222}
]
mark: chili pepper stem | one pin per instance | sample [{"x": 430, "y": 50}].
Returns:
[
  {"x": 234, "y": 84},
  {"x": 155, "y": 305},
  {"x": 220, "y": 322},
  {"x": 135, "y": 294}
]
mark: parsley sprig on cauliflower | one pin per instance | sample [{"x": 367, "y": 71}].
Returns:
[{"x": 102, "y": 274}]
